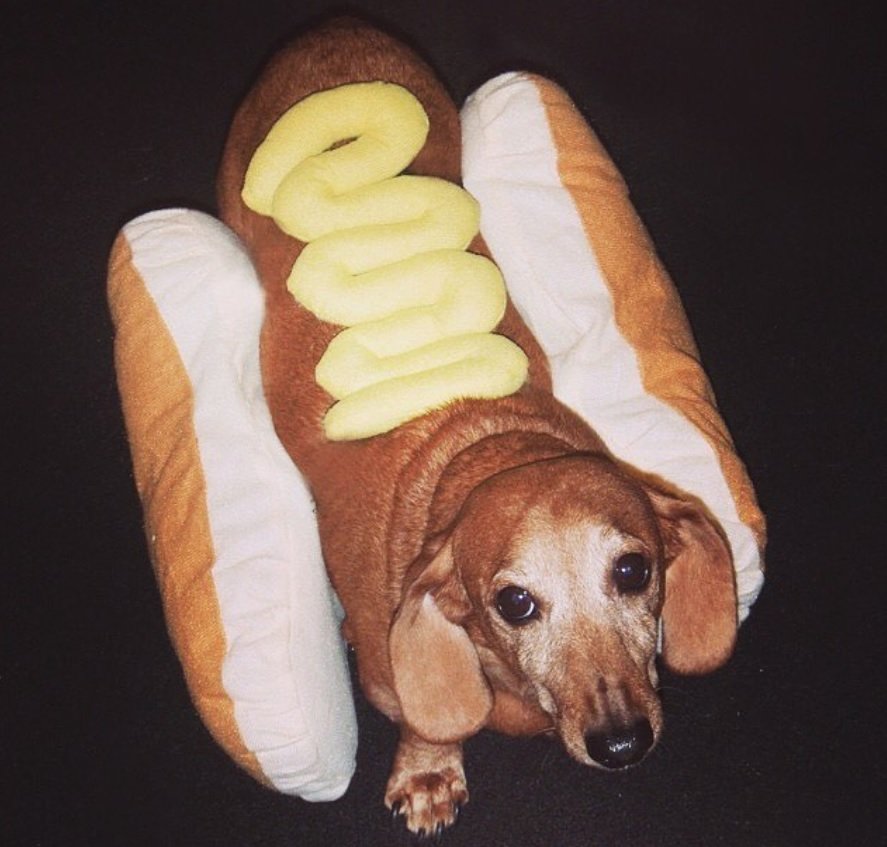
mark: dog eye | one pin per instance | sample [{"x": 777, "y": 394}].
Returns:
[
  {"x": 631, "y": 572},
  {"x": 516, "y": 604}
]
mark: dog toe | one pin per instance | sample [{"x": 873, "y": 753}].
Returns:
[{"x": 428, "y": 803}]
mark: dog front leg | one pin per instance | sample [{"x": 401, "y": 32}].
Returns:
[{"x": 427, "y": 784}]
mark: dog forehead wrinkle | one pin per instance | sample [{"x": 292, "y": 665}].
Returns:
[
  {"x": 578, "y": 554},
  {"x": 597, "y": 489}
]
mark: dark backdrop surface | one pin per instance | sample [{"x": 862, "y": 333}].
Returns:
[{"x": 746, "y": 134}]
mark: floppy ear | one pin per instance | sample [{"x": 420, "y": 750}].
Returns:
[
  {"x": 699, "y": 617},
  {"x": 444, "y": 696}
]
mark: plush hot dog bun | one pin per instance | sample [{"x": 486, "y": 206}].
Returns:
[
  {"x": 584, "y": 275},
  {"x": 230, "y": 526}
]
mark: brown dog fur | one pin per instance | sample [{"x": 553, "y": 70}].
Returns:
[{"x": 421, "y": 525}]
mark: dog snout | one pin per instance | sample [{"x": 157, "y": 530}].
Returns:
[{"x": 621, "y": 746}]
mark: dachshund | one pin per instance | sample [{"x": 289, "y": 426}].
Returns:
[{"x": 498, "y": 567}]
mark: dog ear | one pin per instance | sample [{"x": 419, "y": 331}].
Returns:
[
  {"x": 444, "y": 696},
  {"x": 699, "y": 618}
]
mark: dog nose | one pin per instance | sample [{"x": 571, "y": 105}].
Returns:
[{"x": 621, "y": 747}]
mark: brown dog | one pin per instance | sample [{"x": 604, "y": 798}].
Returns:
[{"x": 497, "y": 566}]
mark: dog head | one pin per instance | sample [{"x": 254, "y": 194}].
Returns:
[{"x": 552, "y": 585}]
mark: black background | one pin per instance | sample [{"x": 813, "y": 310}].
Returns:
[{"x": 747, "y": 134}]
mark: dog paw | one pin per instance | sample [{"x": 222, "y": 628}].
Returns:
[{"x": 427, "y": 802}]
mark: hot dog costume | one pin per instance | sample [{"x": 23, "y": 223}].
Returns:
[{"x": 229, "y": 520}]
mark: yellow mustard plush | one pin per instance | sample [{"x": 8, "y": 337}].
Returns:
[{"x": 385, "y": 257}]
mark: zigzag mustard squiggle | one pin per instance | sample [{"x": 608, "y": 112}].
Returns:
[{"x": 385, "y": 257}]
